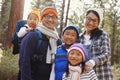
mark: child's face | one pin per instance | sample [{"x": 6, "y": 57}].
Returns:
[
  {"x": 69, "y": 37},
  {"x": 32, "y": 20},
  {"x": 75, "y": 57}
]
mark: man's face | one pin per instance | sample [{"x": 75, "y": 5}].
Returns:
[{"x": 50, "y": 21}]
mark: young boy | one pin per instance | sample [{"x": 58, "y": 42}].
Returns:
[
  {"x": 70, "y": 35},
  {"x": 77, "y": 56},
  {"x": 32, "y": 21}
]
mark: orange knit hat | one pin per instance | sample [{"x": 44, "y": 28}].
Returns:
[
  {"x": 49, "y": 10},
  {"x": 36, "y": 12}
]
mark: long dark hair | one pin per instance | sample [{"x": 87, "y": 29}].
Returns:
[{"x": 96, "y": 33}]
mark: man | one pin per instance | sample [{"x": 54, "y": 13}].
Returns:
[{"x": 36, "y": 60}]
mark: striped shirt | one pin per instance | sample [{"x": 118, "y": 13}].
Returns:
[{"x": 87, "y": 76}]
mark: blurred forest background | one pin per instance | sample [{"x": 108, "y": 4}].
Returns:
[{"x": 69, "y": 13}]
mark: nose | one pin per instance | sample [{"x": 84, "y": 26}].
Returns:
[
  {"x": 91, "y": 22},
  {"x": 69, "y": 36},
  {"x": 32, "y": 21},
  {"x": 73, "y": 56},
  {"x": 50, "y": 19}
]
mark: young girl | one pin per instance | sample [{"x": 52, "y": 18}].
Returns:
[
  {"x": 77, "y": 56},
  {"x": 32, "y": 21}
]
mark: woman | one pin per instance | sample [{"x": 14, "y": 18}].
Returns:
[{"x": 99, "y": 42}]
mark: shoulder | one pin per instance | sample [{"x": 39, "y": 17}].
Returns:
[
  {"x": 31, "y": 36},
  {"x": 61, "y": 50},
  {"x": 58, "y": 47},
  {"x": 89, "y": 75},
  {"x": 61, "y": 47},
  {"x": 105, "y": 34},
  {"x": 32, "y": 33}
]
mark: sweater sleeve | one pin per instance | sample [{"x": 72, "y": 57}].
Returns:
[
  {"x": 28, "y": 46},
  {"x": 22, "y": 32}
]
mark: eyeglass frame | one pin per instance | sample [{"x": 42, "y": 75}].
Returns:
[
  {"x": 53, "y": 17},
  {"x": 89, "y": 19}
]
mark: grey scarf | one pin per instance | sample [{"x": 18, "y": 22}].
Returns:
[{"x": 53, "y": 36}]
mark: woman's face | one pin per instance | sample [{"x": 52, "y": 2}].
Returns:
[
  {"x": 75, "y": 57},
  {"x": 69, "y": 37},
  {"x": 91, "y": 21}
]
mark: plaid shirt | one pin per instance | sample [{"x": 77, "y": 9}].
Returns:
[{"x": 100, "y": 50}]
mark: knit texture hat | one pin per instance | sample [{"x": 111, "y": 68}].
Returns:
[
  {"x": 36, "y": 12},
  {"x": 81, "y": 48},
  {"x": 71, "y": 27},
  {"x": 49, "y": 10}
]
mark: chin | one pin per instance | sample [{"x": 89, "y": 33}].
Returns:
[{"x": 75, "y": 64}]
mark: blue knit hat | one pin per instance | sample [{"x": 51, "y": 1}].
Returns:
[
  {"x": 71, "y": 27},
  {"x": 80, "y": 48}
]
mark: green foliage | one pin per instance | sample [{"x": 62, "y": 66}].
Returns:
[
  {"x": 76, "y": 20},
  {"x": 116, "y": 71},
  {"x": 42, "y": 3},
  {"x": 8, "y": 66}
]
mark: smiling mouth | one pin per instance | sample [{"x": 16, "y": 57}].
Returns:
[{"x": 73, "y": 60}]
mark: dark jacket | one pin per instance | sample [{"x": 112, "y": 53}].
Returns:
[{"x": 33, "y": 58}]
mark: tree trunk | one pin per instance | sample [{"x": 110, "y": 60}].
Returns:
[
  {"x": 16, "y": 13},
  {"x": 113, "y": 41},
  {"x": 5, "y": 11},
  {"x": 67, "y": 12},
  {"x": 62, "y": 17}
]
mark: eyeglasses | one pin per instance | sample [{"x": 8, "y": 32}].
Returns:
[
  {"x": 89, "y": 19},
  {"x": 53, "y": 17}
]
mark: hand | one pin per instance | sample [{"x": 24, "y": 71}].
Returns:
[{"x": 88, "y": 67}]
